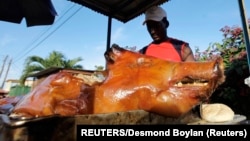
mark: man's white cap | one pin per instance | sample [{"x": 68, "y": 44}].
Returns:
[{"x": 155, "y": 13}]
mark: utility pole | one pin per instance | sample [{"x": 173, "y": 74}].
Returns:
[
  {"x": 6, "y": 74},
  {"x": 3, "y": 65},
  {"x": 245, "y": 29},
  {"x": 246, "y": 35}
]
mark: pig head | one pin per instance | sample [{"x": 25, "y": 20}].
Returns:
[{"x": 136, "y": 81}]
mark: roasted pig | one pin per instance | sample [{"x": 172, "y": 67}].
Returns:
[
  {"x": 133, "y": 81},
  {"x": 136, "y": 81}
]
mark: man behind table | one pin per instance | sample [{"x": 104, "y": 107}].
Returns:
[{"x": 162, "y": 46}]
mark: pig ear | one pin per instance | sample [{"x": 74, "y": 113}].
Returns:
[
  {"x": 112, "y": 53},
  {"x": 117, "y": 50},
  {"x": 108, "y": 57},
  {"x": 115, "y": 46}
]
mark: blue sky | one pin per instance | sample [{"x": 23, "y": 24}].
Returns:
[{"x": 81, "y": 32}]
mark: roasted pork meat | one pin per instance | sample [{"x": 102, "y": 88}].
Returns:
[
  {"x": 136, "y": 81},
  {"x": 133, "y": 81},
  {"x": 58, "y": 91}
]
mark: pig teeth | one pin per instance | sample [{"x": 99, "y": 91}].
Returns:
[{"x": 180, "y": 84}]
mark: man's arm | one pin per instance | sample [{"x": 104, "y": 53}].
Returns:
[
  {"x": 188, "y": 54},
  {"x": 143, "y": 50}
]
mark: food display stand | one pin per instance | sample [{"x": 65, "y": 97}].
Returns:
[{"x": 56, "y": 127}]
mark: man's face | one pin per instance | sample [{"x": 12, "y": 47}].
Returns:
[{"x": 157, "y": 30}]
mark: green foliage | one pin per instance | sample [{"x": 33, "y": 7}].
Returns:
[
  {"x": 233, "y": 92},
  {"x": 99, "y": 68},
  {"x": 34, "y": 64}
]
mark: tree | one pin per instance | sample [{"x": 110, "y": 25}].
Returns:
[
  {"x": 99, "y": 68},
  {"x": 34, "y": 64},
  {"x": 233, "y": 92}
]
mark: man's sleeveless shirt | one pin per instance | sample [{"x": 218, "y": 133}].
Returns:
[{"x": 170, "y": 49}]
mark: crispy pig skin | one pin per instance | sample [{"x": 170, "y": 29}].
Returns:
[
  {"x": 58, "y": 91},
  {"x": 136, "y": 81}
]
